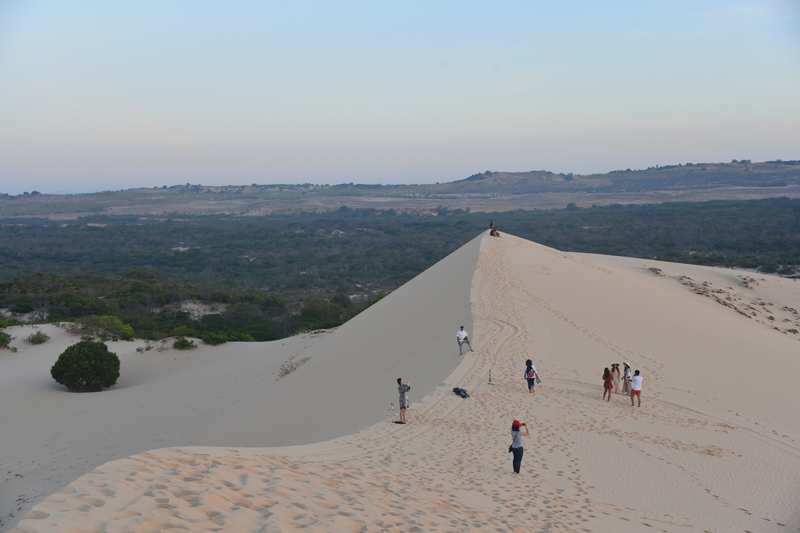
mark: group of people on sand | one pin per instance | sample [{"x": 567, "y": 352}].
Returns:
[
  {"x": 631, "y": 384},
  {"x": 492, "y": 230}
]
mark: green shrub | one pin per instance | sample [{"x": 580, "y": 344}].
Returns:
[
  {"x": 214, "y": 338},
  {"x": 317, "y": 310},
  {"x": 183, "y": 344},
  {"x": 5, "y": 338},
  {"x": 86, "y": 366},
  {"x": 37, "y": 338},
  {"x": 106, "y": 326},
  {"x": 23, "y": 304},
  {"x": 342, "y": 300}
]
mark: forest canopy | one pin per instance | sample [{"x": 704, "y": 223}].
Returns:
[{"x": 279, "y": 274}]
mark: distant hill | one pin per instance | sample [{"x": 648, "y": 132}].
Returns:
[{"x": 486, "y": 191}]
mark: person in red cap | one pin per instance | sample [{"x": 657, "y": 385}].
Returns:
[{"x": 516, "y": 443}]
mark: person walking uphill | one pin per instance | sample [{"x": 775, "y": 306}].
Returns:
[
  {"x": 516, "y": 444},
  {"x": 403, "y": 391},
  {"x": 463, "y": 338},
  {"x": 530, "y": 375}
]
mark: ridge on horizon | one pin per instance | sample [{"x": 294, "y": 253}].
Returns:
[{"x": 541, "y": 174}]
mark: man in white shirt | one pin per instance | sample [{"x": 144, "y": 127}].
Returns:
[
  {"x": 636, "y": 388},
  {"x": 463, "y": 338}
]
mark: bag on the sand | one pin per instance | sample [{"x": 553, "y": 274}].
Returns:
[{"x": 460, "y": 392}]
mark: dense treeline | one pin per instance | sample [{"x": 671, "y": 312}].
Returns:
[
  {"x": 279, "y": 274},
  {"x": 148, "y": 307},
  {"x": 333, "y": 252}
]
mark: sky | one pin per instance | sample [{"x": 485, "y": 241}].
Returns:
[{"x": 98, "y": 95}]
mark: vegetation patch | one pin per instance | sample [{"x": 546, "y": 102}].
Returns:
[
  {"x": 5, "y": 338},
  {"x": 86, "y": 366},
  {"x": 290, "y": 366},
  {"x": 183, "y": 344},
  {"x": 214, "y": 339},
  {"x": 38, "y": 337},
  {"x": 105, "y": 327}
]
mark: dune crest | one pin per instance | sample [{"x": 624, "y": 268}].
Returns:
[{"x": 715, "y": 445}]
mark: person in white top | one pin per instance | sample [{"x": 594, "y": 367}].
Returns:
[
  {"x": 463, "y": 338},
  {"x": 636, "y": 387}
]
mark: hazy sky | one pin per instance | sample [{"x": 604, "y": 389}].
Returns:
[{"x": 112, "y": 95}]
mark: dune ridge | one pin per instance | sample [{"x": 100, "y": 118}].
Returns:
[{"x": 713, "y": 447}]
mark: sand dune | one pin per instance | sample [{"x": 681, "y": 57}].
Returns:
[
  {"x": 714, "y": 447},
  {"x": 49, "y": 436},
  {"x": 226, "y": 395}
]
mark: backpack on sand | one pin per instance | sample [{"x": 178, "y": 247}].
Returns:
[{"x": 460, "y": 392}]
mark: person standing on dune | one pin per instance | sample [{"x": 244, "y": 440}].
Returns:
[
  {"x": 636, "y": 389},
  {"x": 626, "y": 379},
  {"x": 607, "y": 384},
  {"x": 403, "y": 390},
  {"x": 516, "y": 443},
  {"x": 615, "y": 376},
  {"x": 463, "y": 338}
]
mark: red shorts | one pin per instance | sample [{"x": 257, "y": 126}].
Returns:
[{"x": 636, "y": 393}]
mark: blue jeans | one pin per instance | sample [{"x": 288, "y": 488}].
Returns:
[
  {"x": 530, "y": 382},
  {"x": 517, "y": 458}
]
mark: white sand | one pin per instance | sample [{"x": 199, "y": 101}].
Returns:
[
  {"x": 714, "y": 447},
  {"x": 49, "y": 436},
  {"x": 225, "y": 395}
]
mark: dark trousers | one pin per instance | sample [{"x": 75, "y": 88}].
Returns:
[
  {"x": 530, "y": 382},
  {"x": 517, "y": 458}
]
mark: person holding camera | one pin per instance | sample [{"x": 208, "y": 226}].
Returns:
[
  {"x": 402, "y": 389},
  {"x": 516, "y": 443}
]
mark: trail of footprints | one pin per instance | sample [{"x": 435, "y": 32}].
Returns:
[{"x": 784, "y": 319}]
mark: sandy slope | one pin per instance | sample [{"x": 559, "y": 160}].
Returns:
[
  {"x": 49, "y": 436},
  {"x": 714, "y": 447},
  {"x": 226, "y": 395}
]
